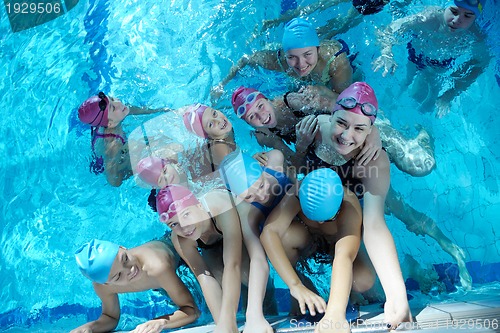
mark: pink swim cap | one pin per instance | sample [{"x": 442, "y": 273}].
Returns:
[
  {"x": 149, "y": 169},
  {"x": 94, "y": 111},
  {"x": 360, "y": 93},
  {"x": 172, "y": 199},
  {"x": 193, "y": 119},
  {"x": 243, "y": 99}
]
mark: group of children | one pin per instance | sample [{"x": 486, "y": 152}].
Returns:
[{"x": 322, "y": 130}]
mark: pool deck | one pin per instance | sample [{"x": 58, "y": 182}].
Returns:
[{"x": 469, "y": 314}]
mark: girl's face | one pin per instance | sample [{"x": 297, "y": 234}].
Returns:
[
  {"x": 260, "y": 191},
  {"x": 458, "y": 18},
  {"x": 302, "y": 60},
  {"x": 261, "y": 114},
  {"x": 349, "y": 131},
  {"x": 169, "y": 175},
  {"x": 186, "y": 223},
  {"x": 117, "y": 111},
  {"x": 216, "y": 124},
  {"x": 125, "y": 269}
]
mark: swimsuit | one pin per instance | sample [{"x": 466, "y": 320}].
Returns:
[
  {"x": 345, "y": 172},
  {"x": 217, "y": 243},
  {"x": 423, "y": 61},
  {"x": 97, "y": 163},
  {"x": 284, "y": 184}
]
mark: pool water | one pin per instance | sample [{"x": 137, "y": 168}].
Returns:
[{"x": 170, "y": 54}]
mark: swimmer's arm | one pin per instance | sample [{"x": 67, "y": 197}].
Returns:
[
  {"x": 273, "y": 141},
  {"x": 135, "y": 110},
  {"x": 376, "y": 235},
  {"x": 108, "y": 320},
  {"x": 340, "y": 72},
  {"x": 312, "y": 99},
  {"x": 371, "y": 148},
  {"x": 300, "y": 11},
  {"x": 275, "y": 228},
  {"x": 229, "y": 224},
  {"x": 427, "y": 19},
  {"x": 259, "y": 268},
  {"x": 266, "y": 59},
  {"x": 188, "y": 311},
  {"x": 346, "y": 250},
  {"x": 467, "y": 73},
  {"x": 210, "y": 287}
]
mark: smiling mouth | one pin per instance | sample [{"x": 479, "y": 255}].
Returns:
[
  {"x": 224, "y": 124},
  {"x": 267, "y": 120},
  {"x": 304, "y": 69},
  {"x": 343, "y": 142},
  {"x": 188, "y": 234}
]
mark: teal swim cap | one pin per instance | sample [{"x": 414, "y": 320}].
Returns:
[
  {"x": 473, "y": 5},
  {"x": 321, "y": 194},
  {"x": 95, "y": 259},
  {"x": 299, "y": 34},
  {"x": 239, "y": 171}
]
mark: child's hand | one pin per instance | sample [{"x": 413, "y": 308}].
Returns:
[
  {"x": 396, "y": 313},
  {"x": 306, "y": 131},
  {"x": 261, "y": 158},
  {"x": 308, "y": 300},
  {"x": 385, "y": 61}
]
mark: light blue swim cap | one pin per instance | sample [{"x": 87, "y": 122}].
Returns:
[
  {"x": 299, "y": 34},
  {"x": 321, "y": 194},
  {"x": 473, "y": 5},
  {"x": 239, "y": 171},
  {"x": 95, "y": 259}
]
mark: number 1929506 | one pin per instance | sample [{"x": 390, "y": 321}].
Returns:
[{"x": 13, "y": 7}]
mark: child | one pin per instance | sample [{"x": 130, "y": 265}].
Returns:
[
  {"x": 444, "y": 46},
  {"x": 114, "y": 270}
]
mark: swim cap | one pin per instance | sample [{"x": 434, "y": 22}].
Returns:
[
  {"x": 367, "y": 7},
  {"x": 149, "y": 169},
  {"x": 172, "y": 199},
  {"x": 95, "y": 259},
  {"x": 94, "y": 111},
  {"x": 473, "y": 5},
  {"x": 321, "y": 194},
  {"x": 362, "y": 93},
  {"x": 299, "y": 34},
  {"x": 243, "y": 99},
  {"x": 193, "y": 119},
  {"x": 239, "y": 171}
]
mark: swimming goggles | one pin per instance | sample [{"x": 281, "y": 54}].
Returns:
[
  {"x": 102, "y": 103},
  {"x": 242, "y": 109},
  {"x": 367, "y": 108},
  {"x": 177, "y": 205}
]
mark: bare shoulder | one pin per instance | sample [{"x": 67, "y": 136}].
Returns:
[
  {"x": 328, "y": 49},
  {"x": 157, "y": 257},
  {"x": 219, "y": 201}
]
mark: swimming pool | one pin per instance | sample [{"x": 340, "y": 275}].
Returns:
[{"x": 51, "y": 203}]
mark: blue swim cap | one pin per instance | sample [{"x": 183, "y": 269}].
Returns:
[
  {"x": 321, "y": 194},
  {"x": 95, "y": 259},
  {"x": 299, "y": 34},
  {"x": 472, "y": 5},
  {"x": 239, "y": 171}
]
